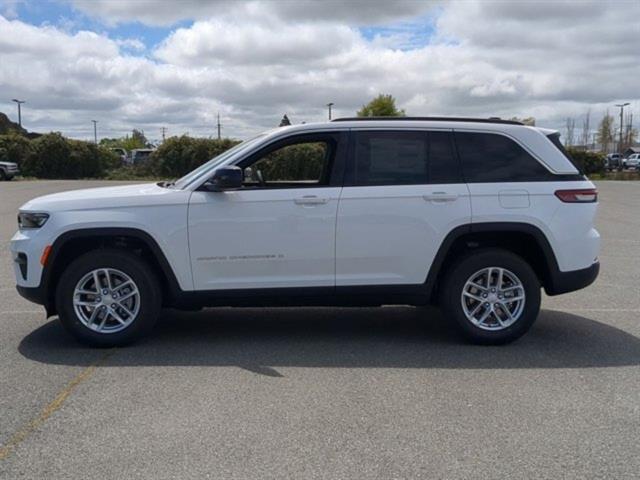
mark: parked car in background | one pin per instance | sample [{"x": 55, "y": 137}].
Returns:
[
  {"x": 613, "y": 161},
  {"x": 8, "y": 170},
  {"x": 139, "y": 155},
  {"x": 632, "y": 161},
  {"x": 121, "y": 152}
]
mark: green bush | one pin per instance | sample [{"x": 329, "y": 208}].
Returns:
[
  {"x": 54, "y": 156},
  {"x": 14, "y": 148},
  {"x": 590, "y": 162},
  {"x": 179, "y": 155},
  {"x": 295, "y": 162}
]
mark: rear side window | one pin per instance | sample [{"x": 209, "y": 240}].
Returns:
[
  {"x": 402, "y": 158},
  {"x": 490, "y": 157},
  {"x": 555, "y": 139}
]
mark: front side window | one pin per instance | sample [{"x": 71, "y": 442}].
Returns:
[
  {"x": 402, "y": 158},
  {"x": 299, "y": 164},
  {"x": 490, "y": 157}
]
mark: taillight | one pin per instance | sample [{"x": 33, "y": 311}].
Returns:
[{"x": 583, "y": 195}]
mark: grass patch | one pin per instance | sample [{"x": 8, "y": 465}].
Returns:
[{"x": 628, "y": 175}]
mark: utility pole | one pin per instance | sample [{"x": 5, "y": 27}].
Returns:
[
  {"x": 95, "y": 131},
  {"x": 330, "y": 104},
  {"x": 621, "y": 105},
  {"x": 19, "y": 102},
  {"x": 219, "y": 126},
  {"x": 164, "y": 131}
]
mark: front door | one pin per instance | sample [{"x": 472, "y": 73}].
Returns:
[{"x": 278, "y": 230}]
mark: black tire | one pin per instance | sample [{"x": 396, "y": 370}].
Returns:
[
  {"x": 141, "y": 274},
  {"x": 456, "y": 278},
  {"x": 3, "y": 176}
]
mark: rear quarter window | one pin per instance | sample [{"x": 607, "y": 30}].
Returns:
[
  {"x": 492, "y": 158},
  {"x": 555, "y": 139}
]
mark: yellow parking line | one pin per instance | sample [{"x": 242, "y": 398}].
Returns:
[{"x": 51, "y": 408}]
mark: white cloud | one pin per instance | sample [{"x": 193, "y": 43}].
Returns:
[
  {"x": 221, "y": 43},
  {"x": 131, "y": 44},
  {"x": 484, "y": 58}
]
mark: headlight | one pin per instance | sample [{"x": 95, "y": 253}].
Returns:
[{"x": 32, "y": 220}]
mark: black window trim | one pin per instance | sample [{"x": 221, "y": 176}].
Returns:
[{"x": 349, "y": 175}]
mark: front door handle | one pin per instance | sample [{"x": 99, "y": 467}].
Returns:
[
  {"x": 441, "y": 197},
  {"x": 310, "y": 200}
]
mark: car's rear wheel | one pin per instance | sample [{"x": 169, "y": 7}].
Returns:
[
  {"x": 492, "y": 295},
  {"x": 108, "y": 298},
  {"x": 3, "y": 176}
]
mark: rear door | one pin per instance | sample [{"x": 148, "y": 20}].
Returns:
[{"x": 403, "y": 193}]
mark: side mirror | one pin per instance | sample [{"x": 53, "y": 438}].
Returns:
[{"x": 225, "y": 178}]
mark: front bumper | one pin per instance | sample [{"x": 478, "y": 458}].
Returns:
[
  {"x": 33, "y": 294},
  {"x": 564, "y": 282}
]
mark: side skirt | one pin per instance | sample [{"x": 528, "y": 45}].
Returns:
[{"x": 369, "y": 295}]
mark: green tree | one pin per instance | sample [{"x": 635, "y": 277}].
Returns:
[
  {"x": 128, "y": 142},
  {"x": 604, "y": 135},
  {"x": 381, "y": 106}
]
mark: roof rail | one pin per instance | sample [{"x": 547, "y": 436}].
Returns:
[{"x": 432, "y": 119}]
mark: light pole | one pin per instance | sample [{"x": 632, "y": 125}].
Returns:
[
  {"x": 330, "y": 104},
  {"x": 19, "y": 102},
  {"x": 95, "y": 131},
  {"x": 621, "y": 105}
]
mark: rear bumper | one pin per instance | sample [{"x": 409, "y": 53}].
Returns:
[{"x": 564, "y": 282}]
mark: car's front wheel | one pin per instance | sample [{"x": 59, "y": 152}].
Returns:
[
  {"x": 492, "y": 295},
  {"x": 108, "y": 298}
]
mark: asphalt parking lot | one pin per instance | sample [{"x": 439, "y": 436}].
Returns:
[{"x": 330, "y": 393}]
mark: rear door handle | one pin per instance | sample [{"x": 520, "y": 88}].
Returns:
[
  {"x": 440, "y": 197},
  {"x": 310, "y": 200}
]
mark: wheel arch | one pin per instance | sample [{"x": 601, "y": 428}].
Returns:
[
  {"x": 74, "y": 243},
  {"x": 523, "y": 239}
]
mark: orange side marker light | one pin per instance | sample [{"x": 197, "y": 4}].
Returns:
[{"x": 45, "y": 255}]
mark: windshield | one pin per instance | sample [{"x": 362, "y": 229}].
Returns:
[{"x": 205, "y": 167}]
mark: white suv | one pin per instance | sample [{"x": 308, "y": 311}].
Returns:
[{"x": 476, "y": 215}]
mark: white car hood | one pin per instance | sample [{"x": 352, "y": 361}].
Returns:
[{"x": 149, "y": 194}]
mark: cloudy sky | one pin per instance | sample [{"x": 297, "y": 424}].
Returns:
[{"x": 149, "y": 64}]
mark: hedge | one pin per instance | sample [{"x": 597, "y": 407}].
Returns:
[
  {"x": 590, "y": 162},
  {"x": 54, "y": 156},
  {"x": 179, "y": 155},
  {"x": 14, "y": 148}
]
